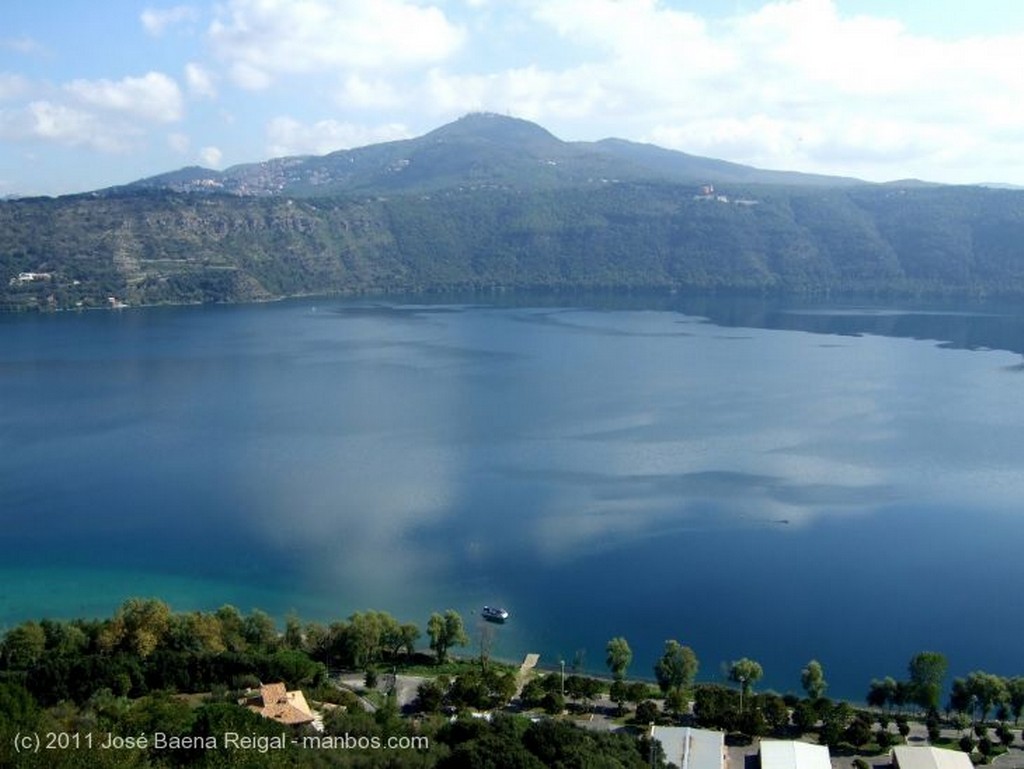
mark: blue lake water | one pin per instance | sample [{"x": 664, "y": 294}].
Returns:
[{"x": 777, "y": 480}]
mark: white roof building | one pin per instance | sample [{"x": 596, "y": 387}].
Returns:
[
  {"x": 922, "y": 757},
  {"x": 789, "y": 754},
  {"x": 691, "y": 748}
]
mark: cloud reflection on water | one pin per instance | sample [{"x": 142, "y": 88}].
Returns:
[
  {"x": 562, "y": 453},
  {"x": 411, "y": 459}
]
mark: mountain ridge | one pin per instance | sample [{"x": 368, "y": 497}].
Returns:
[
  {"x": 477, "y": 149},
  {"x": 490, "y": 203}
]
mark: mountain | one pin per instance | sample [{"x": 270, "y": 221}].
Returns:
[
  {"x": 494, "y": 203},
  {"x": 479, "y": 150},
  {"x": 679, "y": 166}
]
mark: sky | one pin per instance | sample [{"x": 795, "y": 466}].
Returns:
[{"x": 94, "y": 94}]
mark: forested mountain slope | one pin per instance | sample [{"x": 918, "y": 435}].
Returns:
[{"x": 144, "y": 244}]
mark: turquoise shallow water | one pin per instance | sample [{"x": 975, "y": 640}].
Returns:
[{"x": 771, "y": 480}]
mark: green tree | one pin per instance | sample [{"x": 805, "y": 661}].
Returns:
[
  {"x": 619, "y": 693},
  {"x": 812, "y": 678},
  {"x": 293, "y": 635},
  {"x": 533, "y": 692},
  {"x": 775, "y": 712},
  {"x": 316, "y": 641},
  {"x": 987, "y": 689},
  {"x": 967, "y": 743},
  {"x": 139, "y": 626},
  {"x": 295, "y": 668},
  {"x": 231, "y": 628},
  {"x": 959, "y": 696},
  {"x": 715, "y": 707},
  {"x": 927, "y": 671},
  {"x": 446, "y": 631},
  {"x": 17, "y": 707},
  {"x": 198, "y": 633},
  {"x": 676, "y": 701},
  {"x": 19, "y": 712},
  {"x": 159, "y": 712},
  {"x": 882, "y": 693},
  {"x": 66, "y": 638},
  {"x": 884, "y": 738},
  {"x": 215, "y": 719},
  {"x": 366, "y": 634},
  {"x": 1015, "y": 691},
  {"x": 904, "y": 693},
  {"x": 985, "y": 746},
  {"x": 502, "y": 686},
  {"x": 408, "y": 634},
  {"x": 430, "y": 696},
  {"x": 1005, "y": 734},
  {"x": 553, "y": 703},
  {"x": 646, "y": 712},
  {"x": 618, "y": 655},
  {"x": 835, "y": 721},
  {"x": 677, "y": 667},
  {"x": 753, "y": 723},
  {"x": 805, "y": 716},
  {"x": 636, "y": 692},
  {"x": 745, "y": 672},
  {"x": 260, "y": 631},
  {"x": 22, "y": 646},
  {"x": 590, "y": 690},
  {"x": 390, "y": 630}
]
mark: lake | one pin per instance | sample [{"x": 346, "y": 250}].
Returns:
[{"x": 778, "y": 479}]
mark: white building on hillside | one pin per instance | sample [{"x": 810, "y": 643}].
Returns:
[
  {"x": 922, "y": 757},
  {"x": 691, "y": 748},
  {"x": 789, "y": 754}
]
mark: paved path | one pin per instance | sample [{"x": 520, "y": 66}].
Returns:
[
  {"x": 525, "y": 671},
  {"x": 405, "y": 688}
]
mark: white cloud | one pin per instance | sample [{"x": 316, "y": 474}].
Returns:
[
  {"x": 178, "y": 142},
  {"x": 55, "y": 121},
  {"x": 25, "y": 45},
  {"x": 261, "y": 39},
  {"x": 800, "y": 84},
  {"x": 211, "y": 156},
  {"x": 154, "y": 96},
  {"x": 104, "y": 115},
  {"x": 528, "y": 92},
  {"x": 287, "y": 136},
  {"x": 157, "y": 20},
  {"x": 12, "y": 86},
  {"x": 199, "y": 81},
  {"x": 794, "y": 83},
  {"x": 49, "y": 121},
  {"x": 250, "y": 77},
  {"x": 360, "y": 93}
]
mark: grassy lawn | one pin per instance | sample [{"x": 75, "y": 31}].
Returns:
[{"x": 451, "y": 668}]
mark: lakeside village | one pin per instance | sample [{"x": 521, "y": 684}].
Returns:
[{"x": 226, "y": 689}]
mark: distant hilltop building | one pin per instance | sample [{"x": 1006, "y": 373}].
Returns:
[
  {"x": 707, "y": 192},
  {"x": 30, "y": 277}
]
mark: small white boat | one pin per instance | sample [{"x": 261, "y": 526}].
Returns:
[{"x": 494, "y": 614}]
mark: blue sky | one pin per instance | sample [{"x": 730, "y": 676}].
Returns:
[{"x": 100, "y": 93}]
